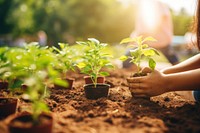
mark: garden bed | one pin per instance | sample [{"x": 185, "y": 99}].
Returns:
[{"x": 119, "y": 113}]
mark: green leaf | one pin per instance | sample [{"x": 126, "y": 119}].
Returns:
[
  {"x": 104, "y": 44},
  {"x": 128, "y": 40},
  {"x": 81, "y": 65},
  {"x": 156, "y": 51},
  {"x": 109, "y": 65},
  {"x": 152, "y": 64},
  {"x": 94, "y": 40},
  {"x": 82, "y": 43},
  {"x": 149, "y": 39},
  {"x": 148, "y": 52},
  {"x": 135, "y": 52},
  {"x": 61, "y": 82},
  {"x": 62, "y": 45},
  {"x": 145, "y": 46},
  {"x": 104, "y": 74},
  {"x": 123, "y": 58},
  {"x": 16, "y": 84}
]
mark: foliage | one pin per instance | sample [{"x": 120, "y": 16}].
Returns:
[
  {"x": 33, "y": 66},
  {"x": 141, "y": 49},
  {"x": 4, "y": 64},
  {"x": 66, "y": 57},
  {"x": 62, "y": 19},
  {"x": 94, "y": 59},
  {"x": 182, "y": 22}
]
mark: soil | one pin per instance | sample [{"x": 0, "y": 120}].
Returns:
[{"x": 119, "y": 112}]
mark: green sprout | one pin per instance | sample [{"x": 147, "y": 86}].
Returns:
[
  {"x": 94, "y": 59},
  {"x": 140, "y": 50},
  {"x": 66, "y": 57}
]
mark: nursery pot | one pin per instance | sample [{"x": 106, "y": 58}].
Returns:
[
  {"x": 3, "y": 85},
  {"x": 88, "y": 80},
  {"x": 7, "y": 106},
  {"x": 92, "y": 92},
  {"x": 70, "y": 82},
  {"x": 23, "y": 123}
]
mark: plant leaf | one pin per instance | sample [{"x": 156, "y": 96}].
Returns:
[
  {"x": 148, "y": 52},
  {"x": 128, "y": 40},
  {"x": 149, "y": 39},
  {"x": 123, "y": 58},
  {"x": 94, "y": 40},
  {"x": 104, "y": 74},
  {"x": 81, "y": 65},
  {"x": 152, "y": 63}
]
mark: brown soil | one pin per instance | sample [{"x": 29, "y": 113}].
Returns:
[{"x": 119, "y": 113}]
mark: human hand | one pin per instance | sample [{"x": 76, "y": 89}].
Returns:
[{"x": 153, "y": 84}]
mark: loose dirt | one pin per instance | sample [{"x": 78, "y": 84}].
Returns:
[{"x": 119, "y": 112}]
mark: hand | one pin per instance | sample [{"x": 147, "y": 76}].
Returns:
[{"x": 153, "y": 84}]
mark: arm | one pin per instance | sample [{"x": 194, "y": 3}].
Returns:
[
  {"x": 187, "y": 80},
  {"x": 189, "y": 64},
  {"x": 151, "y": 86}
]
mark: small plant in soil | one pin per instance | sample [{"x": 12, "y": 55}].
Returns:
[
  {"x": 66, "y": 61},
  {"x": 94, "y": 59},
  {"x": 36, "y": 68},
  {"x": 66, "y": 57},
  {"x": 141, "y": 51}
]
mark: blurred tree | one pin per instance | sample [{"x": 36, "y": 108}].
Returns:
[
  {"x": 106, "y": 20},
  {"x": 69, "y": 20},
  {"x": 5, "y": 5},
  {"x": 182, "y": 22}
]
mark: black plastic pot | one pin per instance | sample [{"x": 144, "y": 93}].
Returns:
[
  {"x": 8, "y": 106},
  {"x": 92, "y": 92},
  {"x": 23, "y": 123}
]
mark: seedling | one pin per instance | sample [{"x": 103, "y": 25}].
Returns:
[
  {"x": 94, "y": 59},
  {"x": 140, "y": 50},
  {"x": 34, "y": 66},
  {"x": 66, "y": 57}
]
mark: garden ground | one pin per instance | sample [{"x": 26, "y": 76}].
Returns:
[{"x": 119, "y": 113}]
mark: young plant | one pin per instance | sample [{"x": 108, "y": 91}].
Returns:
[
  {"x": 66, "y": 57},
  {"x": 34, "y": 66},
  {"x": 36, "y": 92},
  {"x": 140, "y": 50},
  {"x": 94, "y": 59},
  {"x": 4, "y": 65}
]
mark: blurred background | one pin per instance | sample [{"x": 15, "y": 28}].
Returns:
[{"x": 53, "y": 21}]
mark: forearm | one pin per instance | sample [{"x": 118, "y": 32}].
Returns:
[
  {"x": 189, "y": 64},
  {"x": 188, "y": 80}
]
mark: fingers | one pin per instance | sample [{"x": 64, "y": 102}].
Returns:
[
  {"x": 137, "y": 89},
  {"x": 146, "y": 70},
  {"x": 135, "y": 80}
]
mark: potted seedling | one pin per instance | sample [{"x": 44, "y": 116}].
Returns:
[
  {"x": 4, "y": 63},
  {"x": 93, "y": 60},
  {"x": 141, "y": 51},
  {"x": 37, "y": 72},
  {"x": 38, "y": 119},
  {"x": 66, "y": 62},
  {"x": 8, "y": 103}
]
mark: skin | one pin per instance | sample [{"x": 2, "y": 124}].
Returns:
[{"x": 183, "y": 76}]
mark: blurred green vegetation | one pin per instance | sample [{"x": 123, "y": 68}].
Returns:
[{"x": 69, "y": 20}]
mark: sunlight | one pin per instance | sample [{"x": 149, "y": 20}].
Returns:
[{"x": 149, "y": 14}]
